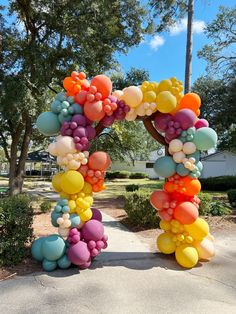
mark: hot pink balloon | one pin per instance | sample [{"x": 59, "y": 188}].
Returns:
[
  {"x": 201, "y": 123},
  {"x": 79, "y": 253}
]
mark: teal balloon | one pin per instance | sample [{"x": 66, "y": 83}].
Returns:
[
  {"x": 53, "y": 247},
  {"x": 64, "y": 262},
  {"x": 56, "y": 106},
  {"x": 181, "y": 170},
  {"x": 75, "y": 220},
  {"x": 165, "y": 166},
  {"x": 36, "y": 249},
  {"x": 195, "y": 155},
  {"x": 205, "y": 138},
  {"x": 54, "y": 216},
  {"x": 48, "y": 123},
  {"x": 49, "y": 265},
  {"x": 63, "y": 118},
  {"x": 61, "y": 96},
  {"x": 77, "y": 108},
  {"x": 199, "y": 165}
]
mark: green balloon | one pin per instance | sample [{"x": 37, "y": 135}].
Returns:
[
  {"x": 205, "y": 138},
  {"x": 48, "y": 123},
  {"x": 36, "y": 249},
  {"x": 49, "y": 265},
  {"x": 165, "y": 166},
  {"x": 53, "y": 247},
  {"x": 64, "y": 262}
]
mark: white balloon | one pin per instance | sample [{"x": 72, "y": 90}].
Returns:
[{"x": 175, "y": 145}]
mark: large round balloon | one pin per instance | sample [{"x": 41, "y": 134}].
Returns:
[
  {"x": 192, "y": 186},
  {"x": 99, "y": 161},
  {"x": 165, "y": 243},
  {"x": 205, "y": 249},
  {"x": 166, "y": 102},
  {"x": 186, "y": 118},
  {"x": 93, "y": 230},
  {"x": 165, "y": 166},
  {"x": 186, "y": 255},
  {"x": 72, "y": 182},
  {"x": 159, "y": 198},
  {"x": 36, "y": 249},
  {"x": 48, "y": 123},
  {"x": 198, "y": 230},
  {"x": 191, "y": 101},
  {"x": 103, "y": 84},
  {"x": 79, "y": 253},
  {"x": 53, "y": 247},
  {"x": 94, "y": 110},
  {"x": 56, "y": 181},
  {"x": 132, "y": 95},
  {"x": 49, "y": 265},
  {"x": 186, "y": 213},
  {"x": 205, "y": 138}
]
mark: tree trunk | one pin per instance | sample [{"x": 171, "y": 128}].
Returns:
[{"x": 188, "y": 62}]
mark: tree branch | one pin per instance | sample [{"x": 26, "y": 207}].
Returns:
[
  {"x": 5, "y": 146},
  {"x": 156, "y": 135}
]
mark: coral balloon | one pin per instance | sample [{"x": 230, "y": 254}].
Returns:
[
  {"x": 99, "y": 161},
  {"x": 158, "y": 198},
  {"x": 186, "y": 213},
  {"x": 198, "y": 230},
  {"x": 186, "y": 256},
  {"x": 205, "y": 249},
  {"x": 72, "y": 182},
  {"x": 94, "y": 110},
  {"x": 103, "y": 85},
  {"x": 165, "y": 243}
]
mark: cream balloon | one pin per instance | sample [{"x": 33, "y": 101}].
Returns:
[
  {"x": 133, "y": 96},
  {"x": 189, "y": 148},
  {"x": 178, "y": 157},
  {"x": 118, "y": 94},
  {"x": 205, "y": 249},
  {"x": 175, "y": 146}
]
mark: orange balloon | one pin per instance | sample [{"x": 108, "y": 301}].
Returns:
[
  {"x": 99, "y": 161},
  {"x": 94, "y": 110},
  {"x": 103, "y": 84},
  {"x": 158, "y": 198},
  {"x": 191, "y": 101},
  {"x": 186, "y": 213},
  {"x": 68, "y": 84},
  {"x": 192, "y": 186},
  {"x": 169, "y": 187}
]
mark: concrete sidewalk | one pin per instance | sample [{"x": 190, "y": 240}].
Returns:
[{"x": 127, "y": 278}]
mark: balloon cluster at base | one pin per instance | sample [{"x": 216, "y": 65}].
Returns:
[
  {"x": 185, "y": 233},
  {"x": 73, "y": 118}
]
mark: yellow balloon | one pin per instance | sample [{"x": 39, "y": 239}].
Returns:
[
  {"x": 149, "y": 96},
  {"x": 72, "y": 182},
  {"x": 72, "y": 206},
  {"x": 198, "y": 230},
  {"x": 56, "y": 181},
  {"x": 166, "y": 102},
  {"x": 86, "y": 215},
  {"x": 186, "y": 255},
  {"x": 205, "y": 248},
  {"x": 132, "y": 96},
  {"x": 165, "y": 243},
  {"x": 165, "y": 225},
  {"x": 84, "y": 202},
  {"x": 164, "y": 85},
  {"x": 87, "y": 189}
]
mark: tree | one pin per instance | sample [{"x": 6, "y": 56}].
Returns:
[
  {"x": 220, "y": 54},
  {"x": 218, "y": 107},
  {"x": 42, "y": 42},
  {"x": 133, "y": 77},
  {"x": 168, "y": 12}
]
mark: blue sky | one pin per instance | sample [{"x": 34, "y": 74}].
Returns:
[
  {"x": 163, "y": 55},
  {"x": 168, "y": 59}
]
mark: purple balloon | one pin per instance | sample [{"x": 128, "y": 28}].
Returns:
[
  {"x": 201, "y": 123},
  {"x": 79, "y": 253},
  {"x": 92, "y": 230},
  {"x": 91, "y": 132},
  {"x": 97, "y": 215},
  {"x": 162, "y": 121},
  {"x": 186, "y": 118},
  {"x": 79, "y": 131},
  {"x": 79, "y": 119}
]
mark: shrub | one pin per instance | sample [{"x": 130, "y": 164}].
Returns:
[
  {"x": 232, "y": 197},
  {"x": 208, "y": 207},
  {"x": 223, "y": 183},
  {"x": 117, "y": 174},
  {"x": 131, "y": 187},
  {"x": 45, "y": 206},
  {"x": 139, "y": 210},
  {"x": 16, "y": 217},
  {"x": 219, "y": 209},
  {"x": 138, "y": 175}
]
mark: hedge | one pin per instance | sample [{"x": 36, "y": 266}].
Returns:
[
  {"x": 16, "y": 218},
  {"x": 125, "y": 175},
  {"x": 232, "y": 197},
  {"x": 138, "y": 175},
  {"x": 131, "y": 187},
  {"x": 210, "y": 207},
  {"x": 223, "y": 183}
]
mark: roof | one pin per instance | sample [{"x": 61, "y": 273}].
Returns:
[
  {"x": 40, "y": 156},
  {"x": 218, "y": 153}
]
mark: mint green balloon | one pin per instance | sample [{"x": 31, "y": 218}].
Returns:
[
  {"x": 165, "y": 166},
  {"x": 53, "y": 247},
  {"x": 48, "y": 123},
  {"x": 49, "y": 265},
  {"x": 36, "y": 249},
  {"x": 205, "y": 138}
]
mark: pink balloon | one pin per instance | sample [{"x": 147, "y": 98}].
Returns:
[
  {"x": 92, "y": 230},
  {"x": 201, "y": 123},
  {"x": 186, "y": 118},
  {"x": 79, "y": 253},
  {"x": 161, "y": 121}
]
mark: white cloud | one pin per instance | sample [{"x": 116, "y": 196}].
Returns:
[
  {"x": 156, "y": 42},
  {"x": 181, "y": 26}
]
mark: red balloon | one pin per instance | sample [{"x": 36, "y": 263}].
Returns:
[
  {"x": 158, "y": 198},
  {"x": 99, "y": 161},
  {"x": 103, "y": 85},
  {"x": 186, "y": 213},
  {"x": 94, "y": 110}
]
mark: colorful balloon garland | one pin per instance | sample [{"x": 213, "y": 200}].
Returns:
[{"x": 79, "y": 114}]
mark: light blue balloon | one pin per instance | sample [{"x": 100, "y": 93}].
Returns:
[
  {"x": 66, "y": 209},
  {"x": 36, "y": 249},
  {"x": 195, "y": 155},
  {"x": 64, "y": 262},
  {"x": 63, "y": 118},
  {"x": 48, "y": 123},
  {"x": 49, "y": 265},
  {"x": 61, "y": 96},
  {"x": 199, "y": 165},
  {"x": 77, "y": 108},
  {"x": 53, "y": 247},
  {"x": 75, "y": 220},
  {"x": 181, "y": 170},
  {"x": 63, "y": 202},
  {"x": 165, "y": 166},
  {"x": 54, "y": 216},
  {"x": 205, "y": 138},
  {"x": 56, "y": 106},
  {"x": 70, "y": 99}
]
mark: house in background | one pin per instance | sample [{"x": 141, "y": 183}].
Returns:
[{"x": 219, "y": 164}]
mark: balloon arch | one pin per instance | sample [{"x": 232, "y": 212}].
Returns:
[{"x": 79, "y": 114}]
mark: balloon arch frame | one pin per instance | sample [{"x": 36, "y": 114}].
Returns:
[{"x": 81, "y": 113}]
